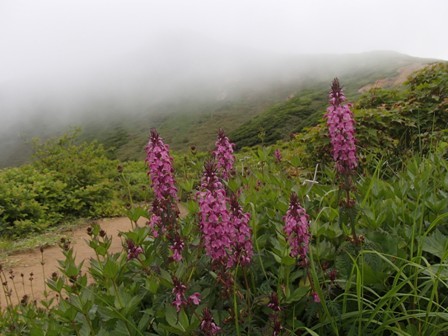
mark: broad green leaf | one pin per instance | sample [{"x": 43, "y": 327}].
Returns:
[{"x": 436, "y": 244}]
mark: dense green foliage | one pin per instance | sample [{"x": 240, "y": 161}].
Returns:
[
  {"x": 304, "y": 108},
  {"x": 392, "y": 124},
  {"x": 393, "y": 281},
  {"x": 67, "y": 180}
]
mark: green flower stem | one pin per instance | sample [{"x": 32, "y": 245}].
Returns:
[{"x": 235, "y": 304}]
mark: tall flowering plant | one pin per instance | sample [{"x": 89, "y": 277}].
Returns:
[
  {"x": 223, "y": 155},
  {"x": 297, "y": 230},
  {"x": 242, "y": 249},
  {"x": 161, "y": 170},
  {"x": 165, "y": 213},
  {"x": 341, "y": 129},
  {"x": 224, "y": 225},
  {"x": 214, "y": 219}
]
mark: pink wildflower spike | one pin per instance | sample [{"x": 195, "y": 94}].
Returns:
[
  {"x": 242, "y": 249},
  {"x": 179, "y": 294},
  {"x": 341, "y": 128},
  {"x": 208, "y": 326},
  {"x": 316, "y": 297},
  {"x": 223, "y": 155},
  {"x": 217, "y": 231},
  {"x": 160, "y": 167},
  {"x": 177, "y": 248},
  {"x": 297, "y": 229}
]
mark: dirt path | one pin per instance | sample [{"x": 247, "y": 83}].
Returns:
[{"x": 30, "y": 262}]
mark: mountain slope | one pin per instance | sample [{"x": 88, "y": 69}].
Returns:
[
  {"x": 308, "y": 106},
  {"x": 274, "y": 96}
]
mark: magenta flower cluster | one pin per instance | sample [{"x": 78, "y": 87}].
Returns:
[
  {"x": 180, "y": 299},
  {"x": 133, "y": 250},
  {"x": 223, "y": 155},
  {"x": 341, "y": 127},
  {"x": 274, "y": 304},
  {"x": 242, "y": 249},
  {"x": 179, "y": 294},
  {"x": 177, "y": 246},
  {"x": 225, "y": 233},
  {"x": 297, "y": 229},
  {"x": 160, "y": 167},
  {"x": 208, "y": 326},
  {"x": 155, "y": 222},
  {"x": 217, "y": 231},
  {"x": 164, "y": 208}
]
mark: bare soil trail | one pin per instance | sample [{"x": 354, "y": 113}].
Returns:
[{"x": 31, "y": 262}]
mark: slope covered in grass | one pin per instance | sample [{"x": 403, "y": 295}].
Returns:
[{"x": 275, "y": 99}]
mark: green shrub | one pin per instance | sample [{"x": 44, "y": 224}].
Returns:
[{"x": 67, "y": 180}]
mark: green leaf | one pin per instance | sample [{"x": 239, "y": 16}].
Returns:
[
  {"x": 288, "y": 261},
  {"x": 183, "y": 320},
  {"x": 111, "y": 269},
  {"x": 312, "y": 333},
  {"x": 152, "y": 284},
  {"x": 135, "y": 214},
  {"x": 174, "y": 319},
  {"x": 436, "y": 244},
  {"x": 298, "y": 294},
  {"x": 145, "y": 320},
  {"x": 120, "y": 329}
]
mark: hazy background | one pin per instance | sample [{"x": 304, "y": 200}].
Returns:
[{"x": 68, "y": 59}]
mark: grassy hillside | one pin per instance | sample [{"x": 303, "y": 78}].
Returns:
[
  {"x": 281, "y": 101},
  {"x": 307, "y": 106},
  {"x": 262, "y": 114}
]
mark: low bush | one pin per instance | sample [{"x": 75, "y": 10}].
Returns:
[{"x": 66, "y": 181}]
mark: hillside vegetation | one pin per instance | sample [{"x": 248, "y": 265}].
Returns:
[
  {"x": 310, "y": 236},
  {"x": 274, "y": 98},
  {"x": 275, "y": 107}
]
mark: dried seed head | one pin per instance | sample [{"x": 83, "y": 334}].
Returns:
[{"x": 24, "y": 300}]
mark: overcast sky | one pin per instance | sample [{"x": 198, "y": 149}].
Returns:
[{"x": 38, "y": 37}]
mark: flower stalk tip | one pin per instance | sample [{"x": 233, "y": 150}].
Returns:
[
  {"x": 341, "y": 128},
  {"x": 223, "y": 155}
]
